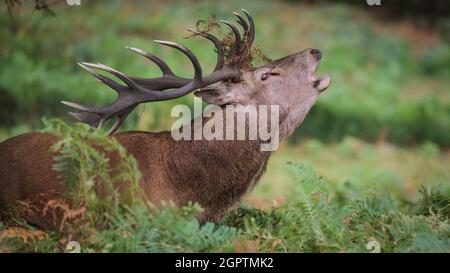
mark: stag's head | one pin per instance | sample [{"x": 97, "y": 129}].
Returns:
[{"x": 289, "y": 82}]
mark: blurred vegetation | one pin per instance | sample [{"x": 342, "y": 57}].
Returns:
[
  {"x": 378, "y": 138},
  {"x": 387, "y": 83}
]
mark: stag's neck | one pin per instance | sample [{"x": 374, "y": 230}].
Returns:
[
  {"x": 291, "y": 118},
  {"x": 216, "y": 173},
  {"x": 256, "y": 125}
]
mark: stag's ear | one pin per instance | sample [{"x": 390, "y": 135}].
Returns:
[{"x": 217, "y": 96}]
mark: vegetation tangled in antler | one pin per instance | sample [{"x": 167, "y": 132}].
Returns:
[{"x": 252, "y": 56}]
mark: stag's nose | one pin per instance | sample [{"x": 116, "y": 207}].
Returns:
[{"x": 316, "y": 53}]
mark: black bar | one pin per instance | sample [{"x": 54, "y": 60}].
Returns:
[{"x": 223, "y": 262}]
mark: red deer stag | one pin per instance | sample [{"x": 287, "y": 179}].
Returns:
[{"x": 214, "y": 173}]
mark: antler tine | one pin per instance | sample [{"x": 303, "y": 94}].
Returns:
[
  {"x": 120, "y": 119},
  {"x": 160, "y": 63},
  {"x": 241, "y": 21},
  {"x": 85, "y": 117},
  {"x": 128, "y": 81},
  {"x": 218, "y": 45},
  {"x": 251, "y": 31},
  {"x": 81, "y": 107},
  {"x": 237, "y": 36},
  {"x": 189, "y": 54},
  {"x": 114, "y": 85}
]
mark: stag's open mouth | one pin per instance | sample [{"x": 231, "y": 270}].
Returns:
[{"x": 320, "y": 82}]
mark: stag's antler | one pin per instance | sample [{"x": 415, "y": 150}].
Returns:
[{"x": 139, "y": 90}]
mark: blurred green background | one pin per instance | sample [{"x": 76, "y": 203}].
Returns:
[{"x": 385, "y": 120}]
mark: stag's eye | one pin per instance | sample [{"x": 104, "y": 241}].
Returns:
[{"x": 264, "y": 76}]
